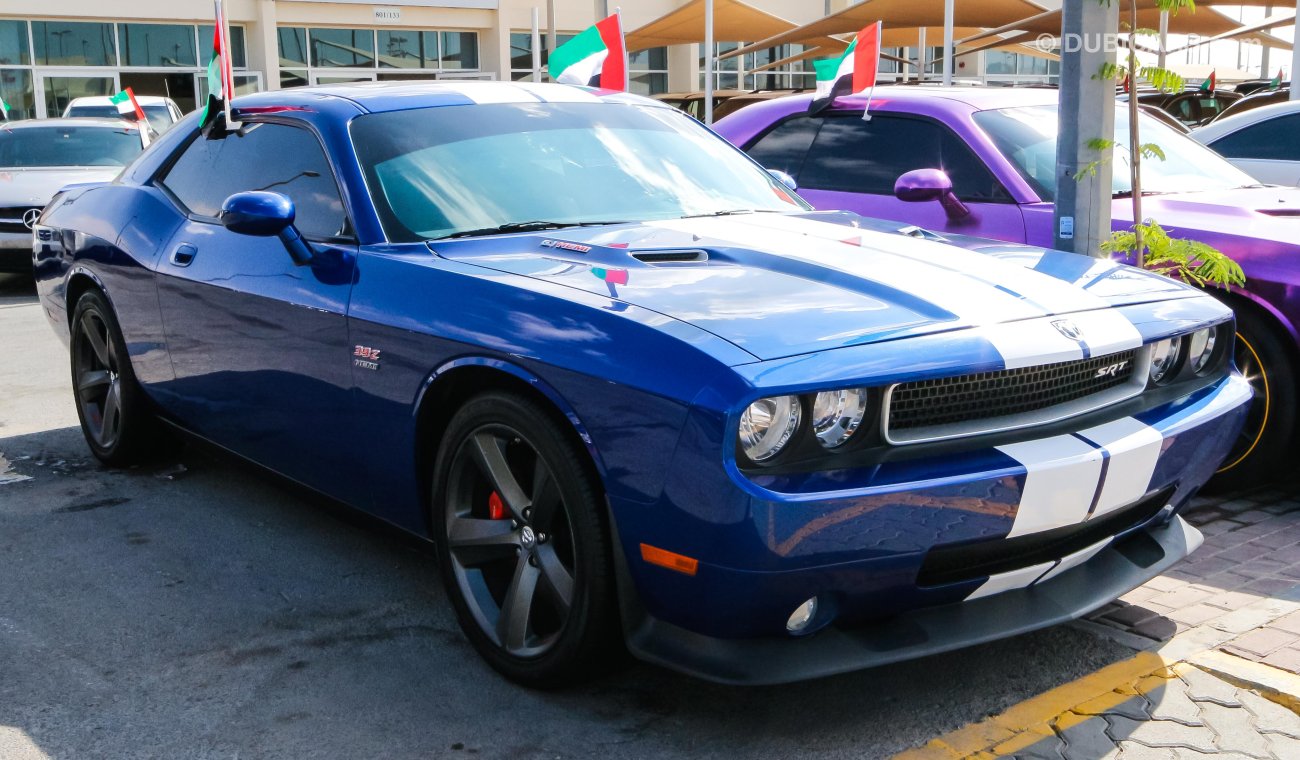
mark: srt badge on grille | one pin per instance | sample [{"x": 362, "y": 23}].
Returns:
[
  {"x": 1068, "y": 329},
  {"x": 1111, "y": 370}
]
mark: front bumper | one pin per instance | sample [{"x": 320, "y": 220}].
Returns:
[
  {"x": 1119, "y": 568},
  {"x": 909, "y": 559},
  {"x": 15, "y": 252}
]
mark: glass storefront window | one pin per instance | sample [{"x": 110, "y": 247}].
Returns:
[
  {"x": 73, "y": 43},
  {"x": 59, "y": 91},
  {"x": 401, "y": 49},
  {"x": 292, "y": 78},
  {"x": 648, "y": 84},
  {"x": 13, "y": 43},
  {"x": 156, "y": 45},
  {"x": 349, "y": 48},
  {"x": 16, "y": 90},
  {"x": 293, "y": 45},
  {"x": 459, "y": 50},
  {"x": 650, "y": 59},
  {"x": 238, "y": 56}
]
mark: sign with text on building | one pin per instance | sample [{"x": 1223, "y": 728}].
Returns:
[
  {"x": 388, "y": 15},
  {"x": 490, "y": 5}
]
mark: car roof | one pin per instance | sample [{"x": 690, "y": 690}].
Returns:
[
  {"x": 1234, "y": 122},
  {"x": 976, "y": 98},
  {"x": 78, "y": 123},
  {"x": 104, "y": 100},
  {"x": 375, "y": 97}
]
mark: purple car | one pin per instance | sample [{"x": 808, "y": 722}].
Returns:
[{"x": 982, "y": 163}]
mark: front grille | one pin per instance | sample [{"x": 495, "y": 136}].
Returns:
[
  {"x": 951, "y": 401},
  {"x": 11, "y": 218}
]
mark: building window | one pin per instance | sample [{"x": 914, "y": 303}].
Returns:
[
  {"x": 13, "y": 44},
  {"x": 648, "y": 71},
  {"x": 70, "y": 43},
  {"x": 459, "y": 50},
  {"x": 156, "y": 45},
  {"x": 293, "y": 46},
  {"x": 342, "y": 48},
  {"x": 238, "y": 56},
  {"x": 521, "y": 54},
  {"x": 16, "y": 91},
  {"x": 404, "y": 49}
]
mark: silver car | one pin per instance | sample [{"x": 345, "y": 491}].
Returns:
[{"x": 41, "y": 156}]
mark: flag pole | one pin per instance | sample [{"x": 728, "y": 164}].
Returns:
[
  {"x": 537, "y": 47},
  {"x": 708, "y": 62},
  {"x": 627, "y": 64},
  {"x": 866, "y": 108},
  {"x": 227, "y": 79}
]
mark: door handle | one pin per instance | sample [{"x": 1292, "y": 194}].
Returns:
[{"x": 184, "y": 254}]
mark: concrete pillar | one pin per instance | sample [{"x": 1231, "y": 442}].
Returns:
[
  {"x": 1295, "y": 55},
  {"x": 263, "y": 45},
  {"x": 1087, "y": 111}
]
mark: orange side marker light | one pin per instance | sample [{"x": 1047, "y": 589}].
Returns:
[{"x": 671, "y": 560}]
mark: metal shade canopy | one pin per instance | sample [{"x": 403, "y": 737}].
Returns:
[{"x": 732, "y": 20}]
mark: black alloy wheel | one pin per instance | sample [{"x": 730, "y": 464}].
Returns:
[
  {"x": 522, "y": 544},
  {"x": 115, "y": 417},
  {"x": 1259, "y": 453}
]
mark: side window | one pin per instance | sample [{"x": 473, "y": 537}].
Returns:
[
  {"x": 1273, "y": 139},
  {"x": 856, "y": 156},
  {"x": 272, "y": 157},
  {"x": 786, "y": 145}
]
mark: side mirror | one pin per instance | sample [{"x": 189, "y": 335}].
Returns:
[
  {"x": 265, "y": 214},
  {"x": 784, "y": 178},
  {"x": 922, "y": 185}
]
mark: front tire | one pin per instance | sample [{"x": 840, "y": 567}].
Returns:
[
  {"x": 522, "y": 545},
  {"x": 1265, "y": 360},
  {"x": 116, "y": 418}
]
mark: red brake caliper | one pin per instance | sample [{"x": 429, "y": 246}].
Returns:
[{"x": 496, "y": 507}]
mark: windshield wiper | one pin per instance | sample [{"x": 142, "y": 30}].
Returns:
[
  {"x": 732, "y": 212},
  {"x": 533, "y": 226}
]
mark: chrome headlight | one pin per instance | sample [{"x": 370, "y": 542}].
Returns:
[
  {"x": 1164, "y": 358},
  {"x": 767, "y": 426},
  {"x": 836, "y": 415},
  {"x": 1200, "y": 348}
]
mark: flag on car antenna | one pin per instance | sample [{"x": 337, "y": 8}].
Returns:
[
  {"x": 1276, "y": 82},
  {"x": 220, "y": 78},
  {"x": 1209, "y": 84},
  {"x": 597, "y": 57},
  {"x": 127, "y": 106},
  {"x": 4, "y": 109},
  {"x": 852, "y": 73}
]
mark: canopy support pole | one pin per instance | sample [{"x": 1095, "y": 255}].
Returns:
[
  {"x": 1164, "y": 41},
  {"x": 1295, "y": 55},
  {"x": 947, "y": 42},
  {"x": 920, "y": 55},
  {"x": 537, "y": 47},
  {"x": 1263, "y": 54},
  {"x": 708, "y": 62}
]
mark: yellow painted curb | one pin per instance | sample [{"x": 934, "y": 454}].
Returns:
[
  {"x": 1028, "y": 722},
  {"x": 1271, "y": 683}
]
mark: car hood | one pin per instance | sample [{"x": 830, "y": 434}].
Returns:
[
  {"x": 778, "y": 285},
  {"x": 35, "y": 187},
  {"x": 1267, "y": 212}
]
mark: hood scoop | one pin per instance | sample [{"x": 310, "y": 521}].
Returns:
[{"x": 691, "y": 256}]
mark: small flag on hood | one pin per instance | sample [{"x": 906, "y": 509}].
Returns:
[
  {"x": 4, "y": 108},
  {"x": 1209, "y": 84},
  {"x": 220, "y": 78},
  {"x": 850, "y": 74},
  {"x": 1276, "y": 82},
  {"x": 127, "y": 106},
  {"x": 596, "y": 58}
]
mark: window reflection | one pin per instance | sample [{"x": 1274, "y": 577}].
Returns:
[
  {"x": 71, "y": 43},
  {"x": 157, "y": 44}
]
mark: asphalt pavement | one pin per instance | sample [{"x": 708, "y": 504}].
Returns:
[{"x": 198, "y": 608}]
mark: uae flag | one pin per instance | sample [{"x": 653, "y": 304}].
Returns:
[
  {"x": 1276, "y": 82},
  {"x": 4, "y": 109},
  {"x": 220, "y": 80},
  {"x": 850, "y": 74},
  {"x": 127, "y": 106},
  {"x": 595, "y": 58},
  {"x": 1209, "y": 84}
]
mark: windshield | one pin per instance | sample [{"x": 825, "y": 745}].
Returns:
[
  {"x": 1027, "y": 136},
  {"x": 436, "y": 172},
  {"x": 159, "y": 117},
  {"x": 68, "y": 146}
]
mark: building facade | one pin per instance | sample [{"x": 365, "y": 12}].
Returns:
[{"x": 57, "y": 50}]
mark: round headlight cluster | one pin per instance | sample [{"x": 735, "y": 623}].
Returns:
[
  {"x": 767, "y": 425},
  {"x": 1200, "y": 348},
  {"x": 1164, "y": 358},
  {"x": 837, "y": 414}
]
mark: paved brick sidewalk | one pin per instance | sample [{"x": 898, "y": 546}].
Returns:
[{"x": 1240, "y": 592}]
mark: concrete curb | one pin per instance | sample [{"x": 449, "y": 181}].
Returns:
[{"x": 1269, "y": 682}]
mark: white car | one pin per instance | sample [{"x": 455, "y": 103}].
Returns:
[
  {"x": 1263, "y": 142},
  {"x": 161, "y": 112},
  {"x": 39, "y": 157}
]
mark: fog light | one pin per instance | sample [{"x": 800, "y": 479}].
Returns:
[{"x": 802, "y": 616}]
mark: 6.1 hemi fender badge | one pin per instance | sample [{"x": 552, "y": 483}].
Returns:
[{"x": 365, "y": 357}]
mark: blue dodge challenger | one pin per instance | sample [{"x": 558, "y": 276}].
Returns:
[{"x": 635, "y": 391}]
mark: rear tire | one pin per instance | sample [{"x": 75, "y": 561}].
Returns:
[
  {"x": 1266, "y": 360},
  {"x": 519, "y": 523},
  {"x": 116, "y": 418}
]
